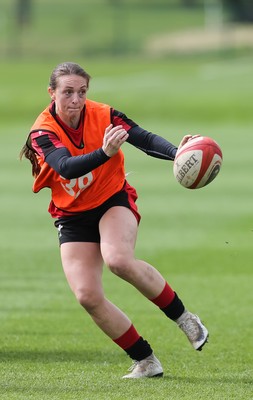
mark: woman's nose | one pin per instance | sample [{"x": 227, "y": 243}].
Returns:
[{"x": 75, "y": 98}]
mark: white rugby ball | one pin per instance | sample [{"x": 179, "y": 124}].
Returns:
[{"x": 198, "y": 162}]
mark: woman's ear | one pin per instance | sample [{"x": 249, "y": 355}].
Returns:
[{"x": 51, "y": 93}]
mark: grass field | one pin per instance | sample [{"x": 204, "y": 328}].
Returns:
[{"x": 200, "y": 240}]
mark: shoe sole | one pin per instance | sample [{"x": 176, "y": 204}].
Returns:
[
  {"x": 203, "y": 344},
  {"x": 160, "y": 375}
]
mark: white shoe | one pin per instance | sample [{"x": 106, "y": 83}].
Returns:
[
  {"x": 195, "y": 331},
  {"x": 148, "y": 368}
]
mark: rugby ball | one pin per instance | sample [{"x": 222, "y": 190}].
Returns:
[{"x": 198, "y": 162}]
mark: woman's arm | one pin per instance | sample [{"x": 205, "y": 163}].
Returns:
[
  {"x": 50, "y": 148},
  {"x": 150, "y": 143}
]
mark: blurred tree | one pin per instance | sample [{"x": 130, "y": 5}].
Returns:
[
  {"x": 22, "y": 19},
  {"x": 23, "y": 12},
  {"x": 119, "y": 28},
  {"x": 240, "y": 10}
]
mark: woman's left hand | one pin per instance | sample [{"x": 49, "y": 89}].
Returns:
[{"x": 186, "y": 139}]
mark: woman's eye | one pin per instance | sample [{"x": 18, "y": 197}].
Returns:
[{"x": 82, "y": 93}]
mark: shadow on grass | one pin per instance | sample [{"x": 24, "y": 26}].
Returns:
[{"x": 52, "y": 356}]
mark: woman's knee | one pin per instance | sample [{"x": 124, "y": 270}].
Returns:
[
  {"x": 89, "y": 299},
  {"x": 119, "y": 265}
]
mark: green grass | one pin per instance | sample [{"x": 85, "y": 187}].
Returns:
[{"x": 200, "y": 240}]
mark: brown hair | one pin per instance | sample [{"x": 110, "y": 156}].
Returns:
[{"x": 66, "y": 68}]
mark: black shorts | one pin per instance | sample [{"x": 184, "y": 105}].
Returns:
[{"x": 84, "y": 226}]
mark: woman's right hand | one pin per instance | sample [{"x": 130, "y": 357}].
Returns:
[{"x": 114, "y": 137}]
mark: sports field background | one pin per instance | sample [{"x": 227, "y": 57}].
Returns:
[{"x": 201, "y": 240}]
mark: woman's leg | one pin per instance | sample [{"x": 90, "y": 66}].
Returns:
[
  {"x": 118, "y": 231},
  {"x": 83, "y": 266}
]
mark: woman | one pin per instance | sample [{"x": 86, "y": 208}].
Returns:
[{"x": 75, "y": 149}]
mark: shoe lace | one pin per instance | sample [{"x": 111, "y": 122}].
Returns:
[{"x": 134, "y": 364}]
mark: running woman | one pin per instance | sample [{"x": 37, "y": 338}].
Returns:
[{"x": 74, "y": 147}]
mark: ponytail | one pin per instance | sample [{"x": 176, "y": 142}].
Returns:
[{"x": 30, "y": 154}]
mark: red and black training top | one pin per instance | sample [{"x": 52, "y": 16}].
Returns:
[{"x": 50, "y": 148}]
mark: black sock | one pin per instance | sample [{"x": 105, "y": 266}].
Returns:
[
  {"x": 139, "y": 350},
  {"x": 175, "y": 309}
]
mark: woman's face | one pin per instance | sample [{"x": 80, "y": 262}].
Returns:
[{"x": 69, "y": 97}]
